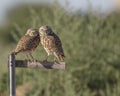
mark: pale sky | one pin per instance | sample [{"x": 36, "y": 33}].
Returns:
[{"x": 105, "y": 5}]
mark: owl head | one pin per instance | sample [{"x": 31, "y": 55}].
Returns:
[
  {"x": 45, "y": 30},
  {"x": 32, "y": 32}
]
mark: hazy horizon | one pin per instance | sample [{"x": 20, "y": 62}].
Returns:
[{"x": 103, "y": 5}]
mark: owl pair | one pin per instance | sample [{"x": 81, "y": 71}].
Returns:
[{"x": 44, "y": 36}]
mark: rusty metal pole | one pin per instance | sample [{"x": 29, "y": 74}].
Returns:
[{"x": 11, "y": 65}]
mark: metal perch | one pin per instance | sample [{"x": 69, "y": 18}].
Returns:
[{"x": 28, "y": 64}]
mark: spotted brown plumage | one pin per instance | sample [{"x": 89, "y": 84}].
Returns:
[
  {"x": 28, "y": 43},
  {"x": 51, "y": 43}
]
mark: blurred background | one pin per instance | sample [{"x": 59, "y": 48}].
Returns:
[{"x": 90, "y": 34}]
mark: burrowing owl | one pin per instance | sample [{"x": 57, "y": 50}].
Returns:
[
  {"x": 28, "y": 42},
  {"x": 51, "y": 43}
]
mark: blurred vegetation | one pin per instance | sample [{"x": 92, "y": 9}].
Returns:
[{"x": 92, "y": 47}]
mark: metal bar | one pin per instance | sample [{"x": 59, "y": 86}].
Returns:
[
  {"x": 39, "y": 64},
  {"x": 12, "y": 74}
]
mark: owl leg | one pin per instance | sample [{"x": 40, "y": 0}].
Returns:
[
  {"x": 56, "y": 59},
  {"x": 27, "y": 57},
  {"x": 46, "y": 59},
  {"x": 32, "y": 57}
]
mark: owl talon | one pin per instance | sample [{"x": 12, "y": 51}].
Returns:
[{"x": 34, "y": 60}]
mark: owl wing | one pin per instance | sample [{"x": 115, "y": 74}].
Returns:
[
  {"x": 58, "y": 45},
  {"x": 49, "y": 43},
  {"x": 26, "y": 43}
]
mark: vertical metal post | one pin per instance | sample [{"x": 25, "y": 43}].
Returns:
[{"x": 12, "y": 74}]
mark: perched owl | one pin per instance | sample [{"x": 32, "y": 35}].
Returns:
[
  {"x": 51, "y": 43},
  {"x": 28, "y": 42}
]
